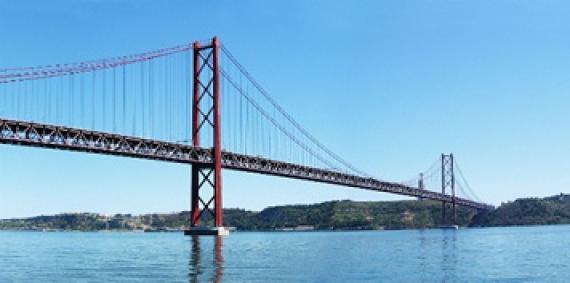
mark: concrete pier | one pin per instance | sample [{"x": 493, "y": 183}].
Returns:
[{"x": 207, "y": 231}]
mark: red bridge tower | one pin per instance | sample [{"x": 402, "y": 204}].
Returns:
[{"x": 206, "y": 116}]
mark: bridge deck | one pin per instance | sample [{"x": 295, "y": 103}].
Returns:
[{"x": 65, "y": 138}]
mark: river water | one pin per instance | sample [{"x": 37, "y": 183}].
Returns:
[{"x": 517, "y": 254}]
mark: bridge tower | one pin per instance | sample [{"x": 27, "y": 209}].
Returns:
[
  {"x": 448, "y": 183},
  {"x": 421, "y": 184},
  {"x": 206, "y": 116}
]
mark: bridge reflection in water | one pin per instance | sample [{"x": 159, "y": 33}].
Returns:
[{"x": 206, "y": 259}]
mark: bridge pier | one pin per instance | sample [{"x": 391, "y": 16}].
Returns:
[
  {"x": 207, "y": 231},
  {"x": 206, "y": 114}
]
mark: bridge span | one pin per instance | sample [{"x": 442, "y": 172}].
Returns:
[{"x": 80, "y": 140}]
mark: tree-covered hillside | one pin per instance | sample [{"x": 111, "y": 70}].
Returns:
[
  {"x": 358, "y": 215},
  {"x": 333, "y": 215},
  {"x": 528, "y": 211},
  {"x": 327, "y": 215}
]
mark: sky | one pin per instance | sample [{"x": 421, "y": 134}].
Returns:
[{"x": 397, "y": 82}]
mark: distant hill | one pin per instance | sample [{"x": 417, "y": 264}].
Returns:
[
  {"x": 327, "y": 215},
  {"x": 333, "y": 215},
  {"x": 352, "y": 215},
  {"x": 96, "y": 222},
  {"x": 528, "y": 211}
]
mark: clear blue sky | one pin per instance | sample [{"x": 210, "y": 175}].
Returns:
[{"x": 398, "y": 82}]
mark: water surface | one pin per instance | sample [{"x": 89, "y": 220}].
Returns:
[{"x": 518, "y": 254}]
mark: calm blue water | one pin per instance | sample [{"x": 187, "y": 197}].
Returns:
[{"x": 522, "y": 254}]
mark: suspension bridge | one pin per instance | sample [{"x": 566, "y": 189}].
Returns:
[{"x": 193, "y": 104}]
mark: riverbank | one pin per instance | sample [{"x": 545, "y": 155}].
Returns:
[{"x": 327, "y": 216}]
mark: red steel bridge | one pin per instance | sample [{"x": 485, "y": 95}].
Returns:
[{"x": 170, "y": 105}]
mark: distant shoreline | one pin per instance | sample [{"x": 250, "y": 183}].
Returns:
[
  {"x": 274, "y": 231},
  {"x": 326, "y": 216}
]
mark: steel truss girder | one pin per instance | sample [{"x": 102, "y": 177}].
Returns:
[
  {"x": 57, "y": 137},
  {"x": 65, "y": 138}
]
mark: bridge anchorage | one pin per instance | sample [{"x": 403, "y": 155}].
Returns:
[{"x": 166, "y": 105}]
